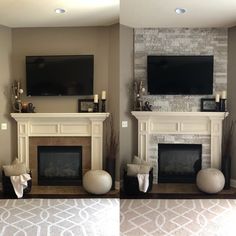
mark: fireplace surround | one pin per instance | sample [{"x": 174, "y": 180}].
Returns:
[
  {"x": 60, "y": 129},
  {"x": 36, "y": 142},
  {"x": 180, "y": 127}
]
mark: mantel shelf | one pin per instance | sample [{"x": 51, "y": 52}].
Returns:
[
  {"x": 146, "y": 114},
  {"x": 98, "y": 115}
]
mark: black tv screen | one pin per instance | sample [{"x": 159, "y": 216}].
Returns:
[
  {"x": 59, "y": 75},
  {"x": 187, "y": 75}
]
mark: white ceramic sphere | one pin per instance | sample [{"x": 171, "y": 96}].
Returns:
[
  {"x": 97, "y": 181},
  {"x": 210, "y": 180}
]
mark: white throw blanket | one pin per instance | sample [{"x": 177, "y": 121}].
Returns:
[
  {"x": 143, "y": 182},
  {"x": 19, "y": 183}
]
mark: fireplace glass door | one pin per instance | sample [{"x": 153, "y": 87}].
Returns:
[
  {"x": 179, "y": 163},
  {"x": 59, "y": 165}
]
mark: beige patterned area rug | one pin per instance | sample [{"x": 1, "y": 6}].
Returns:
[
  {"x": 59, "y": 217},
  {"x": 206, "y": 217}
]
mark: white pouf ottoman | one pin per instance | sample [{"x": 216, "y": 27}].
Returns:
[
  {"x": 210, "y": 180},
  {"x": 97, "y": 181}
]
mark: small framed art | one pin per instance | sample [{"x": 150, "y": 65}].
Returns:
[
  {"x": 208, "y": 104},
  {"x": 85, "y": 105}
]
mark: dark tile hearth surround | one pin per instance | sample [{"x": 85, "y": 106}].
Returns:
[{"x": 34, "y": 142}]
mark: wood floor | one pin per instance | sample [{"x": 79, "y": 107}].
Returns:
[
  {"x": 63, "y": 192},
  {"x": 159, "y": 191},
  {"x": 180, "y": 188},
  {"x": 179, "y": 191}
]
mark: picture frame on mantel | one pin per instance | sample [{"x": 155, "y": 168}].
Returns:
[
  {"x": 208, "y": 105},
  {"x": 85, "y": 105}
]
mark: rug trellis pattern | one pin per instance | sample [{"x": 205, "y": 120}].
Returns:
[
  {"x": 59, "y": 217},
  {"x": 178, "y": 217}
]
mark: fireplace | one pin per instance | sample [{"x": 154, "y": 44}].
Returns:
[
  {"x": 59, "y": 165},
  {"x": 203, "y": 128},
  {"x": 179, "y": 163}
]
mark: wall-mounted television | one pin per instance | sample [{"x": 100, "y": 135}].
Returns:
[
  {"x": 59, "y": 75},
  {"x": 183, "y": 75}
]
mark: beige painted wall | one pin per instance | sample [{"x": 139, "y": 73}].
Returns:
[
  {"x": 232, "y": 88},
  {"x": 113, "y": 74},
  {"x": 15, "y": 44},
  {"x": 61, "y": 41},
  {"x": 128, "y": 136},
  {"x": 5, "y": 81}
]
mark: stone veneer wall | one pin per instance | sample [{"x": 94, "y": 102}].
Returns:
[
  {"x": 179, "y": 138},
  {"x": 181, "y": 41}
]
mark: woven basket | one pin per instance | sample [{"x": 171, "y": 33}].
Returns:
[
  {"x": 8, "y": 189},
  {"x": 131, "y": 185}
]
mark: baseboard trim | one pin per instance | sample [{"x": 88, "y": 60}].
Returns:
[
  {"x": 117, "y": 185},
  {"x": 233, "y": 183}
]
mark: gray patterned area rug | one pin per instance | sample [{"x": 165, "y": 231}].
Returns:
[
  {"x": 206, "y": 217},
  {"x": 59, "y": 217}
]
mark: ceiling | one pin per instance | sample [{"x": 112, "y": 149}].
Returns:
[
  {"x": 133, "y": 13},
  {"x": 161, "y": 13},
  {"x": 40, "y": 13}
]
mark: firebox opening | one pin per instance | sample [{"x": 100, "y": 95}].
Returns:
[
  {"x": 59, "y": 165},
  {"x": 179, "y": 163}
]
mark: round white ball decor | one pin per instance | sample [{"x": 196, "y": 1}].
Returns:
[
  {"x": 210, "y": 180},
  {"x": 97, "y": 181}
]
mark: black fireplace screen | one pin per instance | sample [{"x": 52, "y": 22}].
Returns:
[
  {"x": 179, "y": 163},
  {"x": 59, "y": 165}
]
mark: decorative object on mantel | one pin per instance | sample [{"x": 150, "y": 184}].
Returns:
[
  {"x": 147, "y": 106},
  {"x": 103, "y": 101},
  {"x": 223, "y": 101},
  {"x": 217, "y": 104},
  {"x": 85, "y": 105},
  {"x": 227, "y": 144},
  {"x": 112, "y": 145},
  {"x": 17, "y": 92},
  {"x": 27, "y": 108},
  {"x": 96, "y": 103},
  {"x": 208, "y": 104},
  {"x": 217, "y": 100},
  {"x": 30, "y": 108},
  {"x": 24, "y": 107},
  {"x": 139, "y": 92}
]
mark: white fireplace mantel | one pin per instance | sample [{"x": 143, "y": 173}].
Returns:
[
  {"x": 61, "y": 124},
  {"x": 208, "y": 123}
]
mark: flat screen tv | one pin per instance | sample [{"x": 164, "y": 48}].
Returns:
[
  {"x": 186, "y": 75},
  {"x": 59, "y": 75}
]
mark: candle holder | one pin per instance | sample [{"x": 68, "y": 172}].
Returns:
[
  {"x": 95, "y": 107},
  {"x": 103, "y": 105},
  {"x": 222, "y": 104},
  {"x": 217, "y": 106}
]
